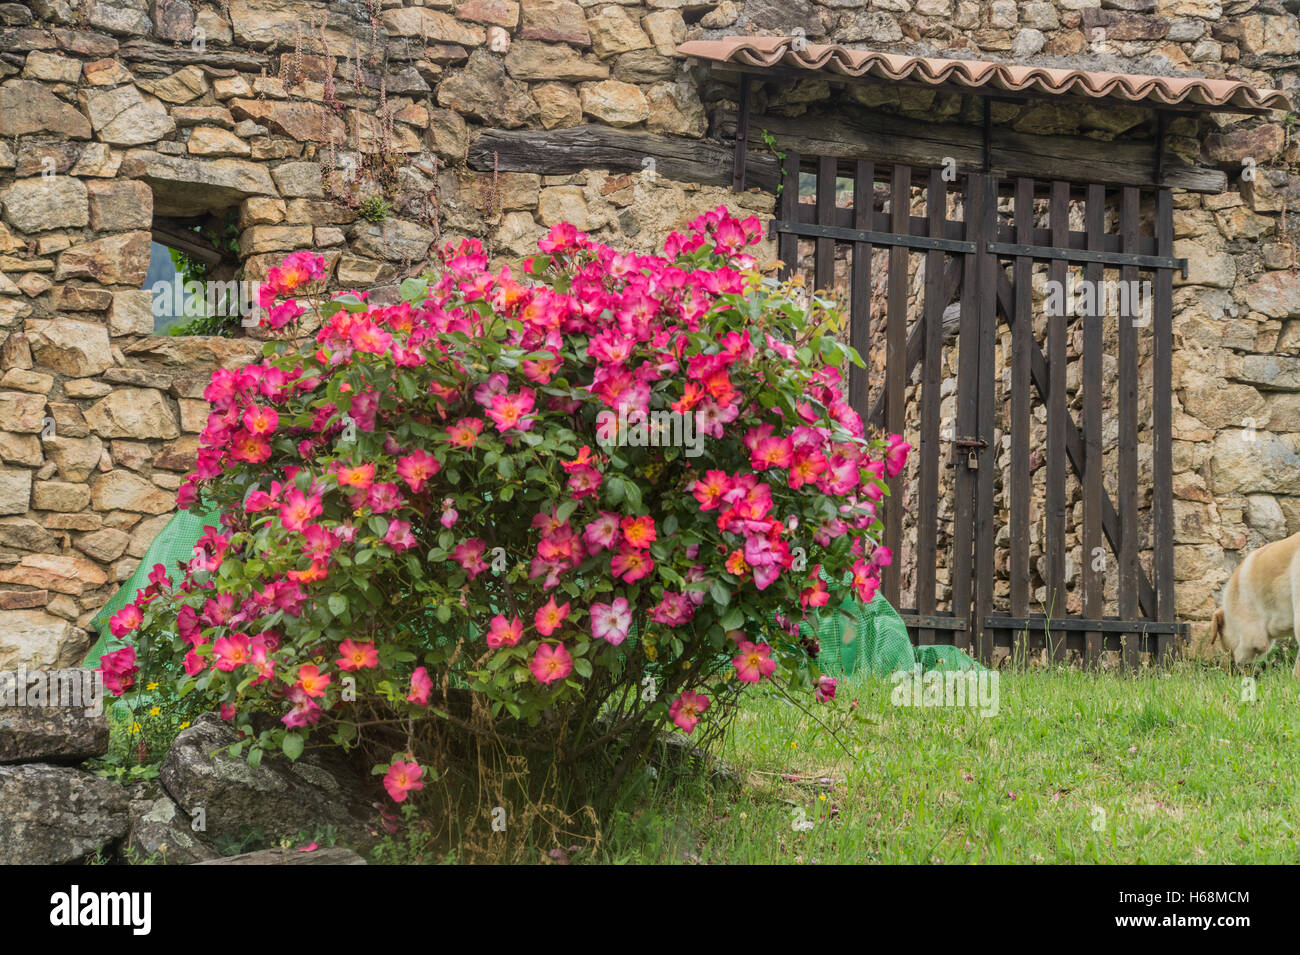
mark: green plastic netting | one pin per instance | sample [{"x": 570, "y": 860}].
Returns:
[
  {"x": 856, "y": 639},
  {"x": 871, "y": 639},
  {"x": 174, "y": 543}
]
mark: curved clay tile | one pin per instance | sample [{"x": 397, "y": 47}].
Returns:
[{"x": 769, "y": 51}]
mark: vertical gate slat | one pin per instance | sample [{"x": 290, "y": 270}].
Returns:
[
  {"x": 824, "y": 262},
  {"x": 788, "y": 243},
  {"x": 963, "y": 525},
  {"x": 1057, "y": 422},
  {"x": 1126, "y": 482},
  {"x": 927, "y": 523},
  {"x": 1022, "y": 337},
  {"x": 1162, "y": 505},
  {"x": 742, "y": 136},
  {"x": 900, "y": 210},
  {"x": 1094, "y": 581},
  {"x": 864, "y": 175},
  {"x": 985, "y": 512}
]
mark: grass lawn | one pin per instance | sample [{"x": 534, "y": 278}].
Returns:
[{"x": 1167, "y": 767}]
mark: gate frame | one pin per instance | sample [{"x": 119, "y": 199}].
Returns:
[{"x": 980, "y": 247}]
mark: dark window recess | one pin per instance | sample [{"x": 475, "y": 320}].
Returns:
[{"x": 194, "y": 277}]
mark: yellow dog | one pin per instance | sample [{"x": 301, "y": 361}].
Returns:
[{"x": 1261, "y": 603}]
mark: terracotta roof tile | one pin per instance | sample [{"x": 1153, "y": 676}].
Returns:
[{"x": 1189, "y": 91}]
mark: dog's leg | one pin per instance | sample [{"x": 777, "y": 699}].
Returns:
[
  {"x": 1295, "y": 612},
  {"x": 1295, "y": 672}
]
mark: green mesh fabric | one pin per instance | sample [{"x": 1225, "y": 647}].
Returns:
[
  {"x": 174, "y": 543},
  {"x": 871, "y": 639}
]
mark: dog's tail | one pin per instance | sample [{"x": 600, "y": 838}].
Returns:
[{"x": 1215, "y": 641}]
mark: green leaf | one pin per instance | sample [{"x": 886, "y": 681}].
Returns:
[
  {"x": 292, "y": 745},
  {"x": 633, "y": 491},
  {"x": 734, "y": 619},
  {"x": 413, "y": 289},
  {"x": 338, "y": 604},
  {"x": 350, "y": 302}
]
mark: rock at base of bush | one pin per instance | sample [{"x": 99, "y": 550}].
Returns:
[
  {"x": 57, "y": 815},
  {"x": 279, "y": 798},
  {"x": 49, "y": 734},
  {"x": 160, "y": 830},
  {"x": 291, "y": 857}
]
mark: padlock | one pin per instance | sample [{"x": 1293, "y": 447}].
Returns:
[{"x": 973, "y": 461}]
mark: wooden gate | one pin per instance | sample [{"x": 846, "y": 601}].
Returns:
[{"x": 983, "y": 264}]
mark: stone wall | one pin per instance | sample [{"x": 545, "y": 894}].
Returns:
[{"x": 291, "y": 114}]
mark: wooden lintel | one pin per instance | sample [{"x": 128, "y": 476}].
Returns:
[
  {"x": 567, "y": 151},
  {"x": 188, "y": 241}
]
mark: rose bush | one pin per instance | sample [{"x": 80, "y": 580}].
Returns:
[{"x": 426, "y": 494}]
